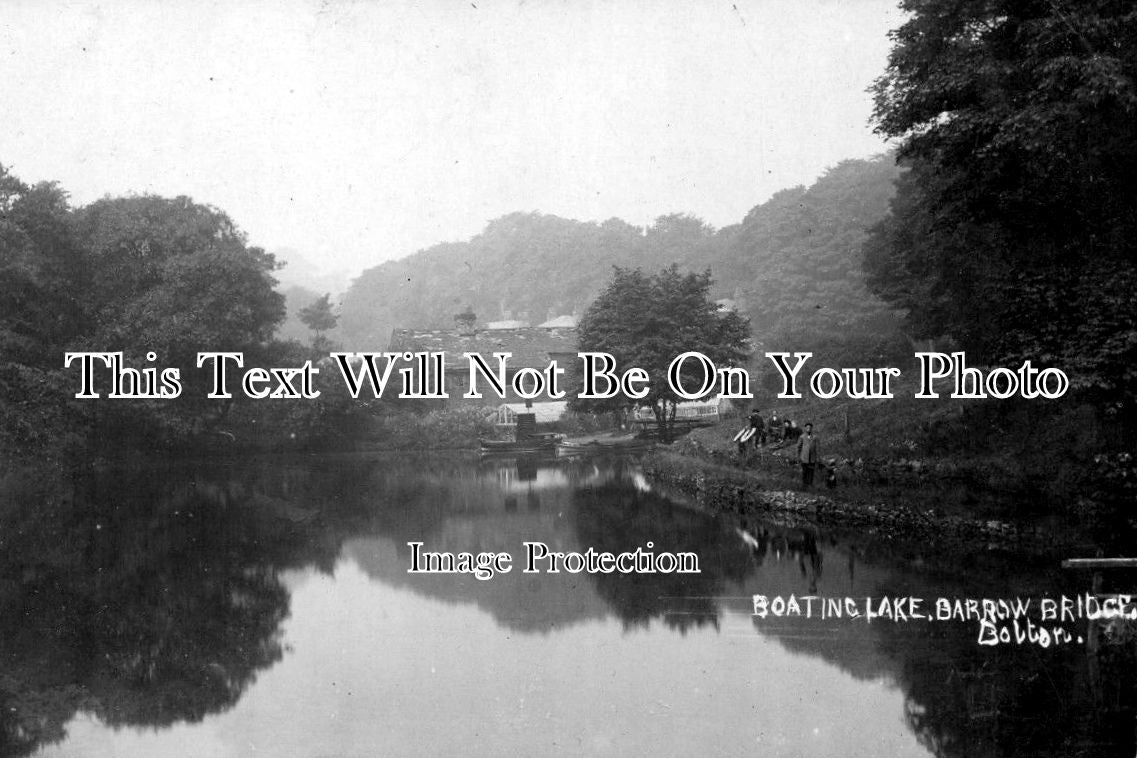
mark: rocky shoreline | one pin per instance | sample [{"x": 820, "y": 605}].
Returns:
[{"x": 740, "y": 493}]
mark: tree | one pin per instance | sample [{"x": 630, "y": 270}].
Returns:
[
  {"x": 169, "y": 270},
  {"x": 1016, "y": 229},
  {"x": 140, "y": 275},
  {"x": 320, "y": 318},
  {"x": 679, "y": 237},
  {"x": 174, "y": 277},
  {"x": 646, "y": 321},
  {"x": 41, "y": 281}
]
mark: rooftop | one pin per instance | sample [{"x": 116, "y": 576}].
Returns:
[{"x": 530, "y": 346}]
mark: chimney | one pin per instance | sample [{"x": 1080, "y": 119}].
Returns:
[{"x": 466, "y": 323}]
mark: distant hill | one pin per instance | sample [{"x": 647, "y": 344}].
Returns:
[
  {"x": 526, "y": 266},
  {"x": 793, "y": 264}
]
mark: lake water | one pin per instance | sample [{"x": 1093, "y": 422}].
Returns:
[{"x": 264, "y": 607}]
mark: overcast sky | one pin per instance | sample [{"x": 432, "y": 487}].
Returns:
[{"x": 358, "y": 132}]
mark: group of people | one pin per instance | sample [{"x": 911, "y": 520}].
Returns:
[
  {"x": 786, "y": 430},
  {"x": 777, "y": 430}
]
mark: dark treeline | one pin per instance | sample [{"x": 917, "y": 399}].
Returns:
[
  {"x": 1014, "y": 231},
  {"x": 141, "y": 275}
]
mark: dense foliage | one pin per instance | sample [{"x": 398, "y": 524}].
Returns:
[
  {"x": 796, "y": 267},
  {"x": 137, "y": 275},
  {"x": 1014, "y": 231}
]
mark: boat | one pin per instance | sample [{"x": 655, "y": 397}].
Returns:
[
  {"x": 614, "y": 444},
  {"x": 536, "y": 443}
]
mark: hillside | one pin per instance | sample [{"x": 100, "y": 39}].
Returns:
[
  {"x": 797, "y": 258},
  {"x": 793, "y": 264}
]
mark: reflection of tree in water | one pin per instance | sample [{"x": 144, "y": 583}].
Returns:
[
  {"x": 963, "y": 699},
  {"x": 798, "y": 545},
  {"x": 967, "y": 700},
  {"x": 616, "y": 518},
  {"x": 144, "y": 598}
]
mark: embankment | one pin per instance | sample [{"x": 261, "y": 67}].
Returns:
[{"x": 749, "y": 495}]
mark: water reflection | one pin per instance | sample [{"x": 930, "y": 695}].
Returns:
[
  {"x": 143, "y": 599},
  {"x": 268, "y": 600},
  {"x": 680, "y": 600},
  {"x": 961, "y": 699}
]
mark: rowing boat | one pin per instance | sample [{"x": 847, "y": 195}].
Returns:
[
  {"x": 624, "y": 443},
  {"x": 533, "y": 444}
]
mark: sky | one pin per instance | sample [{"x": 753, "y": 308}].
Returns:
[{"x": 358, "y": 132}]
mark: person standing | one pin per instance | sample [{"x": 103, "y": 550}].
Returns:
[
  {"x": 808, "y": 454},
  {"x": 759, "y": 427}
]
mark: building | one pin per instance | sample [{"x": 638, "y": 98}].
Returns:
[{"x": 529, "y": 348}]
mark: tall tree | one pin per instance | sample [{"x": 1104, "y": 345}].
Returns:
[
  {"x": 646, "y": 321},
  {"x": 175, "y": 277},
  {"x": 1016, "y": 230}
]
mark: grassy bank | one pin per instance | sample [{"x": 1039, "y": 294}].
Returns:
[
  {"x": 986, "y": 458},
  {"x": 747, "y": 495}
]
